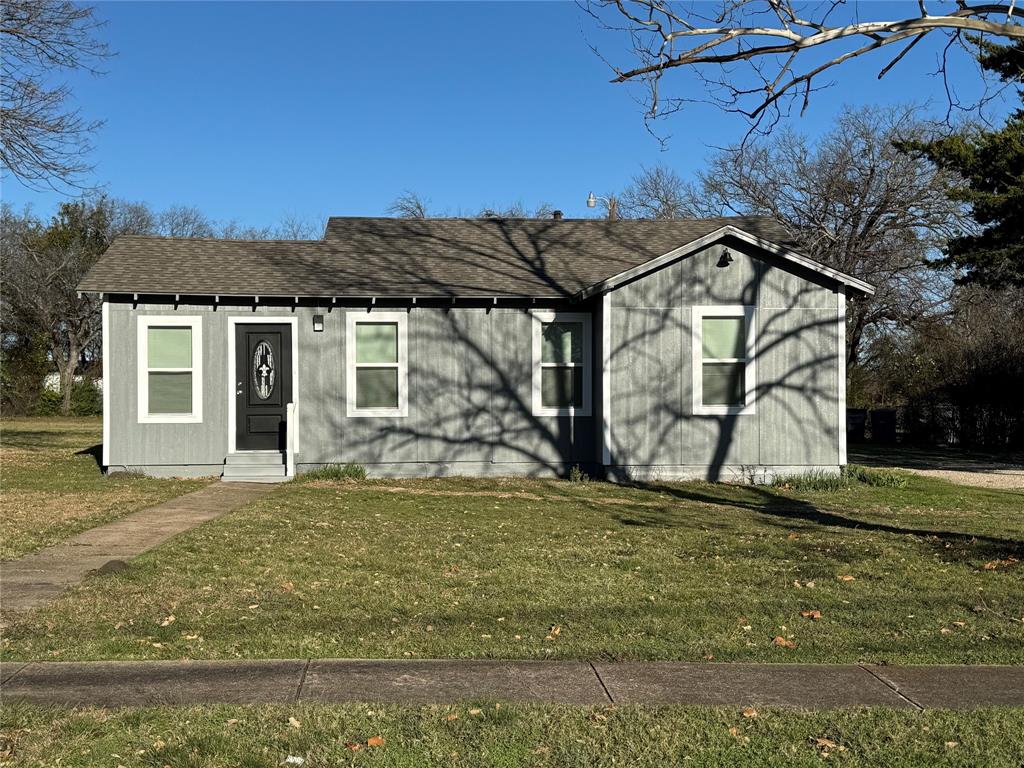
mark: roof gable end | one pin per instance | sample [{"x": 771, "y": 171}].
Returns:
[{"x": 728, "y": 230}]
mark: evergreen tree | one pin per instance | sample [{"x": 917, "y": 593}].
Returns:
[{"x": 991, "y": 166}]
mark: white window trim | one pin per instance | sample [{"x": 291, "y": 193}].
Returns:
[
  {"x": 195, "y": 322},
  {"x": 351, "y": 320},
  {"x": 546, "y": 316},
  {"x": 749, "y": 315}
]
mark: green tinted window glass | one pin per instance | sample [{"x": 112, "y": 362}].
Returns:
[
  {"x": 723, "y": 337},
  {"x": 723, "y": 384},
  {"x": 562, "y": 343},
  {"x": 170, "y": 393},
  {"x": 376, "y": 342},
  {"x": 376, "y": 388},
  {"x": 169, "y": 347},
  {"x": 561, "y": 387}
]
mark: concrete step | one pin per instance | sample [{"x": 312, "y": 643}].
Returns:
[
  {"x": 255, "y": 458},
  {"x": 254, "y": 470}
]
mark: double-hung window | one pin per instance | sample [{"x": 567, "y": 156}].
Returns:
[
  {"x": 170, "y": 370},
  {"x": 561, "y": 363},
  {"x": 723, "y": 360},
  {"x": 376, "y": 364}
]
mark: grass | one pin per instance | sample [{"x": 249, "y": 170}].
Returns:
[
  {"x": 335, "y": 472},
  {"x": 506, "y": 735},
  {"x": 52, "y": 486},
  {"x": 820, "y": 480},
  {"x": 926, "y": 573}
]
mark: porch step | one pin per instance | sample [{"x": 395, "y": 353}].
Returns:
[
  {"x": 250, "y": 458},
  {"x": 255, "y": 467}
]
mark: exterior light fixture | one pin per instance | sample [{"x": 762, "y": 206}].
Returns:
[
  {"x": 725, "y": 259},
  {"x": 318, "y": 323},
  {"x": 611, "y": 202}
]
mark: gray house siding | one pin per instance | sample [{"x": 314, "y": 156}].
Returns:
[
  {"x": 796, "y": 423},
  {"x": 470, "y": 398}
]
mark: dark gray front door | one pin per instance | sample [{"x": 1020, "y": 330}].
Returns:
[{"x": 263, "y": 385}]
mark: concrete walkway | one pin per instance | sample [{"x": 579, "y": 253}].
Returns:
[
  {"x": 439, "y": 681},
  {"x": 38, "y": 578}
]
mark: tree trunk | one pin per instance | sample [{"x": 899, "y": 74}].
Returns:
[
  {"x": 854, "y": 341},
  {"x": 67, "y": 369}
]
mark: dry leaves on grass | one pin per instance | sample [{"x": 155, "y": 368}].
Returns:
[
  {"x": 749, "y": 712},
  {"x": 734, "y": 731},
  {"x": 847, "y": 577},
  {"x": 992, "y": 565},
  {"x": 782, "y": 642},
  {"x": 813, "y": 615},
  {"x": 827, "y": 746},
  {"x": 375, "y": 741}
]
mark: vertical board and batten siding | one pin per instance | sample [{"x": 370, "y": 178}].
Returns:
[
  {"x": 796, "y": 424},
  {"x": 470, "y": 398}
]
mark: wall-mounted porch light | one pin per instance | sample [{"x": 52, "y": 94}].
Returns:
[
  {"x": 725, "y": 259},
  {"x": 318, "y": 323}
]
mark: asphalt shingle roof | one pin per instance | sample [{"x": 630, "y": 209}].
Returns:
[{"x": 542, "y": 258}]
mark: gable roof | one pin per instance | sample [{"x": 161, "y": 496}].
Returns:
[{"x": 387, "y": 257}]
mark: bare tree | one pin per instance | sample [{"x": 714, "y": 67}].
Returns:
[
  {"x": 184, "y": 221},
  {"x": 654, "y": 193},
  {"x": 43, "y": 141},
  {"x": 43, "y": 266},
  {"x": 757, "y": 56},
  {"x": 853, "y": 201},
  {"x": 517, "y": 210},
  {"x": 409, "y": 205},
  {"x": 233, "y": 230},
  {"x": 294, "y": 227}
]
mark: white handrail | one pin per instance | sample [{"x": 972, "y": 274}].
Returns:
[{"x": 291, "y": 426}]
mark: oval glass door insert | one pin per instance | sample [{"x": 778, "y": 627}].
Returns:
[{"x": 263, "y": 373}]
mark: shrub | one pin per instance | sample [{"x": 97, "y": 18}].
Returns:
[
  {"x": 815, "y": 480},
  {"x": 86, "y": 400},
  {"x": 336, "y": 472},
  {"x": 577, "y": 475},
  {"x": 49, "y": 403},
  {"x": 880, "y": 478},
  {"x": 819, "y": 480}
]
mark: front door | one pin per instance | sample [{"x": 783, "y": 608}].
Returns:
[{"x": 263, "y": 385}]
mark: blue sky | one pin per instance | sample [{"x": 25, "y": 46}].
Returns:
[{"x": 252, "y": 111}]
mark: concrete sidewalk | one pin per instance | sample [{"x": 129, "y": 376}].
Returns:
[
  {"x": 438, "y": 681},
  {"x": 36, "y": 579}
]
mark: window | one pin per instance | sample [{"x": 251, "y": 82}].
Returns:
[
  {"x": 723, "y": 360},
  {"x": 561, "y": 364},
  {"x": 170, "y": 373},
  {"x": 377, "y": 370}
]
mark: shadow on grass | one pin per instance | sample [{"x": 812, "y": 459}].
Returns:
[
  {"x": 786, "y": 511},
  {"x": 96, "y": 452}
]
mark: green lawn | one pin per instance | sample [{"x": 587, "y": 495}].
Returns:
[
  {"x": 53, "y": 487},
  {"x": 489, "y": 568},
  {"x": 485, "y": 735}
]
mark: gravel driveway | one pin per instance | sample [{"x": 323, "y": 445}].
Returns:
[{"x": 977, "y": 470}]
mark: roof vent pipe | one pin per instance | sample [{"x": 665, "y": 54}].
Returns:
[{"x": 556, "y": 215}]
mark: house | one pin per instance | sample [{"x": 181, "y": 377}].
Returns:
[{"x": 634, "y": 349}]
